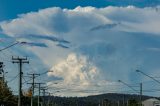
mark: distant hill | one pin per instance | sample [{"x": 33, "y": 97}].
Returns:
[
  {"x": 94, "y": 100},
  {"x": 116, "y": 96}
]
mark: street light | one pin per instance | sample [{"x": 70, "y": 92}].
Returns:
[
  {"x": 128, "y": 85},
  {"x": 140, "y": 93},
  {"x": 15, "y": 43},
  {"x": 148, "y": 76}
]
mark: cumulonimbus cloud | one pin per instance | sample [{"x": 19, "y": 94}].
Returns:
[
  {"x": 78, "y": 73},
  {"x": 114, "y": 39},
  {"x": 77, "y": 70}
]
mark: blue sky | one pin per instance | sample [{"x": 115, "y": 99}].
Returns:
[
  {"x": 88, "y": 44},
  {"x": 9, "y": 9}
]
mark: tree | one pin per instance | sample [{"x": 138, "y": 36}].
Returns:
[
  {"x": 28, "y": 93},
  {"x": 6, "y": 96},
  {"x": 133, "y": 102}
]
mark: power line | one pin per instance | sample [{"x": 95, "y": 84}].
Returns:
[
  {"x": 35, "y": 77},
  {"x": 24, "y": 80},
  {"x": 13, "y": 78}
]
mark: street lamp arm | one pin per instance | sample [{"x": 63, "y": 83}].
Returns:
[
  {"x": 148, "y": 76},
  {"x": 128, "y": 86},
  {"x": 9, "y": 46}
]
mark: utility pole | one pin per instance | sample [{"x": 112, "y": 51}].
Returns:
[
  {"x": 102, "y": 102},
  {"x": 123, "y": 99},
  {"x": 118, "y": 103},
  {"x": 1, "y": 71},
  {"x": 33, "y": 83},
  {"x": 20, "y": 61},
  {"x": 44, "y": 93},
  {"x": 49, "y": 96},
  {"x": 39, "y": 88},
  {"x": 141, "y": 94}
]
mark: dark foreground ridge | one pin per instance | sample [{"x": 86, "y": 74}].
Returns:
[{"x": 96, "y": 100}]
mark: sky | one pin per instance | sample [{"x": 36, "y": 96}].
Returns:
[
  {"x": 10, "y": 9},
  {"x": 87, "y": 44}
]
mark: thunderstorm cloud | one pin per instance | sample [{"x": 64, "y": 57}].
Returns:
[{"x": 89, "y": 45}]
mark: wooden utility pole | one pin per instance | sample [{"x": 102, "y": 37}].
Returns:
[
  {"x": 140, "y": 94},
  {"x": 20, "y": 61},
  {"x": 44, "y": 93},
  {"x": 33, "y": 76},
  {"x": 39, "y": 88},
  {"x": 1, "y": 71}
]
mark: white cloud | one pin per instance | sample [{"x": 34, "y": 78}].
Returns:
[
  {"x": 110, "y": 38},
  {"x": 75, "y": 69},
  {"x": 79, "y": 77}
]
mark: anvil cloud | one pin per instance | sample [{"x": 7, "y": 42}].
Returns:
[{"x": 112, "y": 42}]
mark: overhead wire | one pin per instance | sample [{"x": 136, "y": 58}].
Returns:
[
  {"x": 151, "y": 90},
  {"x": 13, "y": 78}
]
